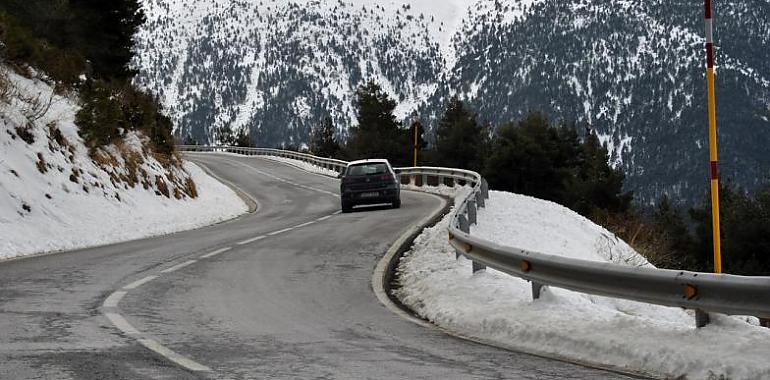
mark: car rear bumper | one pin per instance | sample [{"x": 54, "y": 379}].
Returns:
[{"x": 371, "y": 196}]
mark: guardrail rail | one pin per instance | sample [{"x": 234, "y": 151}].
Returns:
[{"x": 703, "y": 292}]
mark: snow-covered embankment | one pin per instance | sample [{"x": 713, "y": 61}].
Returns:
[
  {"x": 55, "y": 194},
  {"x": 627, "y": 335}
]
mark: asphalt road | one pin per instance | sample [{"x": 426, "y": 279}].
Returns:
[{"x": 284, "y": 304}]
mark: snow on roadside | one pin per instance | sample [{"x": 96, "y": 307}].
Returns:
[
  {"x": 303, "y": 165},
  {"x": 626, "y": 335},
  {"x": 54, "y": 196}
]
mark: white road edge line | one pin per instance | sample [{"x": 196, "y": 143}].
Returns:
[
  {"x": 305, "y": 224},
  {"x": 173, "y": 356},
  {"x": 114, "y": 299},
  {"x": 251, "y": 240},
  {"x": 218, "y": 251},
  {"x": 280, "y": 231},
  {"x": 121, "y": 323},
  {"x": 139, "y": 283},
  {"x": 179, "y": 266}
]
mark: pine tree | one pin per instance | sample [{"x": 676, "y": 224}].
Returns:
[
  {"x": 745, "y": 232},
  {"x": 105, "y": 34},
  {"x": 378, "y": 134},
  {"x": 460, "y": 139},
  {"x": 323, "y": 143},
  {"x": 596, "y": 184}
]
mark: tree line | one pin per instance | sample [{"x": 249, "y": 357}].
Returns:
[
  {"x": 87, "y": 46},
  {"x": 564, "y": 164}
]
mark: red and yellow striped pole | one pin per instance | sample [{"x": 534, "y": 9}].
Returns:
[{"x": 713, "y": 138}]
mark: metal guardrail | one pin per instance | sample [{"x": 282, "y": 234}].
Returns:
[
  {"x": 326, "y": 163},
  {"x": 703, "y": 292}
]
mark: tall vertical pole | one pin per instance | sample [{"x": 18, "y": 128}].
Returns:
[
  {"x": 713, "y": 138},
  {"x": 416, "y": 143}
]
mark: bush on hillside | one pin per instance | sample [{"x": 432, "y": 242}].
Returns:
[{"x": 109, "y": 111}]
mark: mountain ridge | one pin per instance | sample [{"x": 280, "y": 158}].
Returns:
[{"x": 632, "y": 72}]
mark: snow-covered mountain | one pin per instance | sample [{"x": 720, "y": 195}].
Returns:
[{"x": 631, "y": 70}]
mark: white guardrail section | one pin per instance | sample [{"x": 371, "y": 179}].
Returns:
[{"x": 703, "y": 292}]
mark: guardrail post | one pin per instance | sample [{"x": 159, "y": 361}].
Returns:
[
  {"x": 701, "y": 318},
  {"x": 464, "y": 227},
  {"x": 472, "y": 212},
  {"x": 484, "y": 188},
  {"x": 424, "y": 180},
  {"x": 478, "y": 267},
  {"x": 480, "y": 200},
  {"x": 536, "y": 288}
]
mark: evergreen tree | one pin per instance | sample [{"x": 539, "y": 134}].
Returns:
[
  {"x": 378, "y": 134},
  {"x": 323, "y": 143},
  {"x": 745, "y": 232},
  {"x": 675, "y": 235},
  {"x": 536, "y": 159},
  {"x": 243, "y": 139},
  {"x": 596, "y": 184},
  {"x": 524, "y": 159},
  {"x": 226, "y": 137},
  {"x": 105, "y": 34},
  {"x": 460, "y": 139},
  {"x": 59, "y": 36}
]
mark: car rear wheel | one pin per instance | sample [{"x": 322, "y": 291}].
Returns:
[
  {"x": 347, "y": 207},
  {"x": 397, "y": 203}
]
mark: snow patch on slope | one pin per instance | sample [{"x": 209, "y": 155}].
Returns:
[
  {"x": 54, "y": 196},
  {"x": 627, "y": 335}
]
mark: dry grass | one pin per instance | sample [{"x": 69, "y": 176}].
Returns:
[
  {"x": 648, "y": 240},
  {"x": 7, "y": 90}
]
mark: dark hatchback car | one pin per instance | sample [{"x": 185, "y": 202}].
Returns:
[{"x": 368, "y": 182}]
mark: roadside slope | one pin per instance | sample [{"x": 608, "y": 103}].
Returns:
[
  {"x": 498, "y": 309},
  {"x": 56, "y": 194}
]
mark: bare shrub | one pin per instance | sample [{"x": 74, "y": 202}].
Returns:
[
  {"x": 37, "y": 106},
  {"x": 160, "y": 183},
  {"x": 7, "y": 89}
]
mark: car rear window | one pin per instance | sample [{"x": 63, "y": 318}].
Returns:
[{"x": 367, "y": 169}]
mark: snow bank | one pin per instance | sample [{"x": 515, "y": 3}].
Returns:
[
  {"x": 54, "y": 196},
  {"x": 627, "y": 335},
  {"x": 303, "y": 165}
]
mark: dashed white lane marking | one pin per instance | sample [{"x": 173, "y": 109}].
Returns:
[
  {"x": 252, "y": 240},
  {"x": 112, "y": 302},
  {"x": 280, "y": 231},
  {"x": 218, "y": 251},
  {"x": 305, "y": 224},
  {"x": 139, "y": 283},
  {"x": 179, "y": 266},
  {"x": 114, "y": 299},
  {"x": 173, "y": 356},
  {"x": 282, "y": 179},
  {"x": 121, "y": 323}
]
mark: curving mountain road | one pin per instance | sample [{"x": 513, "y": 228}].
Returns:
[{"x": 281, "y": 293}]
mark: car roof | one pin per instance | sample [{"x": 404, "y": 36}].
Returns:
[{"x": 370, "y": 161}]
